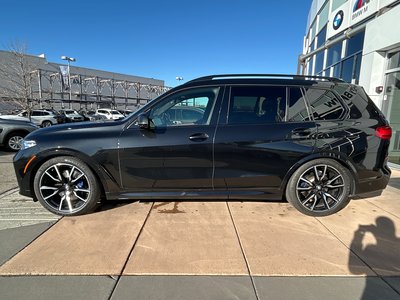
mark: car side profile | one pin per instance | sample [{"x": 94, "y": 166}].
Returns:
[
  {"x": 41, "y": 117},
  {"x": 314, "y": 141}
]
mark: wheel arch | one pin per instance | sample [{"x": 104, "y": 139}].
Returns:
[
  {"x": 337, "y": 156},
  {"x": 105, "y": 179}
]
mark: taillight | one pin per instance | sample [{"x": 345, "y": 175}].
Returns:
[{"x": 384, "y": 132}]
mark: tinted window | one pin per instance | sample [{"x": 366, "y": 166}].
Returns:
[
  {"x": 297, "y": 109},
  {"x": 36, "y": 113},
  {"x": 257, "y": 105},
  {"x": 324, "y": 105}
]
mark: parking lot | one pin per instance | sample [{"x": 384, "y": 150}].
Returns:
[{"x": 199, "y": 250}]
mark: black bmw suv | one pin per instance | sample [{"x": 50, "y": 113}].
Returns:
[{"x": 313, "y": 141}]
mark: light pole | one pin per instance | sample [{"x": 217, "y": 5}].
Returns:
[{"x": 69, "y": 60}]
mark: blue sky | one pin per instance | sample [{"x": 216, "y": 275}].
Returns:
[{"x": 162, "y": 39}]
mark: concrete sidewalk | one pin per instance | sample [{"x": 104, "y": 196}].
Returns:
[{"x": 207, "y": 250}]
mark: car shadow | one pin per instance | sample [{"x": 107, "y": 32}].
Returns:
[{"x": 382, "y": 256}]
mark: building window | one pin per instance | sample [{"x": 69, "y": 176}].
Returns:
[
  {"x": 334, "y": 54},
  {"x": 323, "y": 16},
  {"x": 355, "y": 44},
  {"x": 336, "y": 70},
  {"x": 310, "y": 65},
  {"x": 337, "y": 3},
  {"x": 347, "y": 69},
  {"x": 319, "y": 62},
  {"x": 321, "y": 37},
  {"x": 394, "y": 60}
]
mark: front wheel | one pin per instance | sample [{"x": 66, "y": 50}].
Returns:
[
  {"x": 66, "y": 186},
  {"x": 319, "y": 188},
  {"x": 46, "y": 124},
  {"x": 14, "y": 141}
]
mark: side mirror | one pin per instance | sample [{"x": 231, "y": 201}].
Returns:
[{"x": 143, "y": 122}]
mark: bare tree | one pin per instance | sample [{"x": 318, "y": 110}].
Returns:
[{"x": 16, "y": 71}]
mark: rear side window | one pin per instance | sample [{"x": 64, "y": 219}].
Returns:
[
  {"x": 324, "y": 104},
  {"x": 297, "y": 107},
  {"x": 257, "y": 105}
]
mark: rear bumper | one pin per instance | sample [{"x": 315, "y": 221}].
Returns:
[{"x": 372, "y": 187}]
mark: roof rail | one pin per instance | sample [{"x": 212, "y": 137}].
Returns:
[{"x": 304, "y": 77}]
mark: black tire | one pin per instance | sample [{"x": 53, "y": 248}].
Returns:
[
  {"x": 322, "y": 194},
  {"x": 66, "y": 186},
  {"x": 13, "y": 141},
  {"x": 46, "y": 123}
]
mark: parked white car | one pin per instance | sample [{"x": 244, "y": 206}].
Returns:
[
  {"x": 110, "y": 114},
  {"x": 40, "y": 117}
]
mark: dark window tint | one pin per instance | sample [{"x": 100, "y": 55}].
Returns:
[
  {"x": 257, "y": 105},
  {"x": 334, "y": 54},
  {"x": 355, "y": 44},
  {"x": 324, "y": 104},
  {"x": 297, "y": 109}
]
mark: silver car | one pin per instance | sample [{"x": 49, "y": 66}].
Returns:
[{"x": 12, "y": 133}]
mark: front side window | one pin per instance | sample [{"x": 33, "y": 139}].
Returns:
[
  {"x": 324, "y": 104},
  {"x": 257, "y": 105},
  {"x": 191, "y": 107}
]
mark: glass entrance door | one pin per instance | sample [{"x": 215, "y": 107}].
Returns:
[{"x": 391, "y": 109}]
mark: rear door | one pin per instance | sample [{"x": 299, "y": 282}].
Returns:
[{"x": 266, "y": 131}]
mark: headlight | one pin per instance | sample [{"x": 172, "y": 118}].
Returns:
[{"x": 28, "y": 144}]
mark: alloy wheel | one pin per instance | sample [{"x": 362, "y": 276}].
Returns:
[
  {"x": 15, "y": 142},
  {"x": 64, "y": 187},
  {"x": 320, "y": 188}
]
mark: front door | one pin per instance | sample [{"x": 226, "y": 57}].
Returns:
[{"x": 175, "y": 154}]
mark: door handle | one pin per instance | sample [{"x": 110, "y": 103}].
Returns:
[{"x": 198, "y": 137}]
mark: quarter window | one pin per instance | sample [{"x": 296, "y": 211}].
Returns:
[
  {"x": 324, "y": 105},
  {"x": 257, "y": 105}
]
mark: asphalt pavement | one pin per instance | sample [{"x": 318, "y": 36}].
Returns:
[{"x": 198, "y": 250}]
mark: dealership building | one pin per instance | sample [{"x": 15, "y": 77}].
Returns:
[
  {"x": 359, "y": 42},
  {"x": 54, "y": 85}
]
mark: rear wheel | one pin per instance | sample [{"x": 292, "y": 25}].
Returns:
[
  {"x": 66, "y": 186},
  {"x": 319, "y": 188}
]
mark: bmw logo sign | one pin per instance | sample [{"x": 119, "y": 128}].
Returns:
[{"x": 338, "y": 19}]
